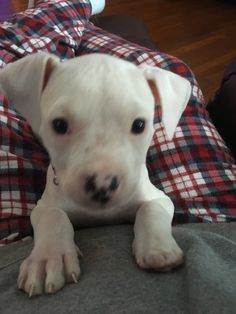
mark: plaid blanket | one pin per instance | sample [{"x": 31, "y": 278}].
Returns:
[{"x": 195, "y": 169}]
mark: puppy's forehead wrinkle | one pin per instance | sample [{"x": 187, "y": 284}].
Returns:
[
  {"x": 99, "y": 75},
  {"x": 89, "y": 89}
]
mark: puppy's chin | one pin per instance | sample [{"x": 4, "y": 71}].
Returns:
[{"x": 95, "y": 205}]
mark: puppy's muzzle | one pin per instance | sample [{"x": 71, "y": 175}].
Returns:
[{"x": 100, "y": 189}]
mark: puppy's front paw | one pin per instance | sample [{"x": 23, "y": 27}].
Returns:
[
  {"x": 158, "y": 256},
  {"x": 48, "y": 268}
]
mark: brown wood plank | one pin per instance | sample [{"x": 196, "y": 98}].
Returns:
[{"x": 202, "y": 33}]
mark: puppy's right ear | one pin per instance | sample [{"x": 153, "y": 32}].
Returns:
[{"x": 23, "y": 82}]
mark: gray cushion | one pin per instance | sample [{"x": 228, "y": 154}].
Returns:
[{"x": 112, "y": 283}]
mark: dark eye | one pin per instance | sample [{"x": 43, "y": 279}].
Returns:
[
  {"x": 60, "y": 126},
  {"x": 138, "y": 126}
]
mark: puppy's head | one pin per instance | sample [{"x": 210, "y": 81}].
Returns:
[{"x": 94, "y": 114}]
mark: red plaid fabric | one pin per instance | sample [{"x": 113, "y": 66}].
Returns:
[{"x": 195, "y": 169}]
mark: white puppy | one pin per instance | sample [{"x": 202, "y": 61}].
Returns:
[{"x": 94, "y": 114}]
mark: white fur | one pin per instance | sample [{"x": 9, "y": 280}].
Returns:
[{"x": 99, "y": 96}]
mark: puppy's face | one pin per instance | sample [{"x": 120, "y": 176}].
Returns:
[
  {"x": 94, "y": 115},
  {"x": 97, "y": 124}
]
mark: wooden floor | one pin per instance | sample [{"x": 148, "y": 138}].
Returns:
[{"x": 202, "y": 33}]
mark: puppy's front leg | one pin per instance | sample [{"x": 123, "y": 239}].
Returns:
[
  {"x": 154, "y": 246},
  {"x": 53, "y": 259}
]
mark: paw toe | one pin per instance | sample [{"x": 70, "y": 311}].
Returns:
[{"x": 160, "y": 260}]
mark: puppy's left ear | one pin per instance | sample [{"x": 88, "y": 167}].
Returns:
[
  {"x": 171, "y": 92},
  {"x": 23, "y": 82}
]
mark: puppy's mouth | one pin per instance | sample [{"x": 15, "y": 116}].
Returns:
[
  {"x": 93, "y": 196},
  {"x": 101, "y": 197},
  {"x": 98, "y": 201}
]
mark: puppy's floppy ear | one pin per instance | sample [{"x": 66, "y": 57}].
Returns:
[
  {"x": 23, "y": 82},
  {"x": 171, "y": 91}
]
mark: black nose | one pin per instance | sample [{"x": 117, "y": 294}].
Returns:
[{"x": 101, "y": 192}]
